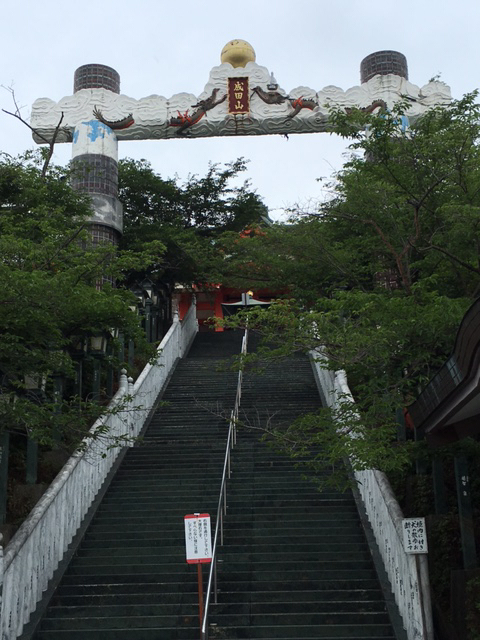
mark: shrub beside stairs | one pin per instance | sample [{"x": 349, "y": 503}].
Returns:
[{"x": 295, "y": 562}]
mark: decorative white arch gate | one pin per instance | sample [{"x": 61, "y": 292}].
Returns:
[{"x": 240, "y": 98}]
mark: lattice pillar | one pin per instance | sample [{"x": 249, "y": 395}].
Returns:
[
  {"x": 383, "y": 63},
  {"x": 95, "y": 156}
]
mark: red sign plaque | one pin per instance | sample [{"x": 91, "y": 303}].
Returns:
[{"x": 238, "y": 96}]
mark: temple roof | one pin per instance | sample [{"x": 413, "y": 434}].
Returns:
[{"x": 448, "y": 409}]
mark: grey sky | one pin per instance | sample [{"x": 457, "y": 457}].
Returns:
[{"x": 165, "y": 48}]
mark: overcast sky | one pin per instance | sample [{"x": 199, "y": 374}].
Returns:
[{"x": 165, "y": 48}]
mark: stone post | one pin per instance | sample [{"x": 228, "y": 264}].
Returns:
[
  {"x": 95, "y": 157},
  {"x": 123, "y": 381},
  {"x": 383, "y": 63}
]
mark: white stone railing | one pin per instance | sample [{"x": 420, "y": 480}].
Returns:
[
  {"x": 35, "y": 551},
  {"x": 150, "y": 382},
  {"x": 409, "y": 585}
]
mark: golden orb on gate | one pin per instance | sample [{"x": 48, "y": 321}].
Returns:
[{"x": 237, "y": 53}]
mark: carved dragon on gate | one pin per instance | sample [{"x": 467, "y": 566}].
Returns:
[
  {"x": 184, "y": 120},
  {"x": 275, "y": 97},
  {"x": 124, "y": 123}
]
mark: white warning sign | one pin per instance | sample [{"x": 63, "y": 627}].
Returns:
[
  {"x": 198, "y": 538},
  {"x": 414, "y": 535}
]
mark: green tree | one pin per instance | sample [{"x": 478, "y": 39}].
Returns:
[
  {"x": 187, "y": 217},
  {"x": 290, "y": 259},
  {"x": 382, "y": 273},
  {"x": 418, "y": 190},
  {"x": 54, "y": 290}
]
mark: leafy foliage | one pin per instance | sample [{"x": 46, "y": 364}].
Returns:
[
  {"x": 382, "y": 273},
  {"x": 473, "y": 601},
  {"x": 54, "y": 289},
  {"x": 186, "y": 218}
]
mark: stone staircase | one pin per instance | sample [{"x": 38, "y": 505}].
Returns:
[
  {"x": 129, "y": 579},
  {"x": 295, "y": 562}
]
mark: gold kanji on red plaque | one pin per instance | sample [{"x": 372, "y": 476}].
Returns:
[{"x": 238, "y": 96}]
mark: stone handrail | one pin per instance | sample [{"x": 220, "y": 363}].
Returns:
[
  {"x": 385, "y": 516},
  {"x": 35, "y": 551},
  {"x": 149, "y": 384}
]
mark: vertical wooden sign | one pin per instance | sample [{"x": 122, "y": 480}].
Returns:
[{"x": 238, "y": 96}]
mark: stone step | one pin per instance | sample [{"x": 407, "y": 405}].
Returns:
[
  {"x": 244, "y": 580},
  {"x": 243, "y": 567},
  {"x": 234, "y": 610},
  {"x": 152, "y": 583},
  {"x": 143, "y": 594},
  {"x": 295, "y": 563},
  {"x": 146, "y": 618},
  {"x": 165, "y": 521},
  {"x": 166, "y": 479},
  {"x": 130, "y": 499},
  {"x": 144, "y": 546},
  {"x": 242, "y": 512},
  {"x": 330, "y": 529},
  {"x": 104, "y": 534},
  {"x": 226, "y": 554},
  {"x": 298, "y": 632}
]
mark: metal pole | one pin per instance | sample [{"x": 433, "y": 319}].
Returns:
[
  {"x": 215, "y": 581},
  {"x": 57, "y": 391},
  {"x": 148, "y": 320},
  {"x": 200, "y": 594},
  {"x": 78, "y": 377},
  {"x": 121, "y": 354},
  {"x": 109, "y": 387},
  {"x": 57, "y": 397},
  {"x": 154, "y": 323},
  {"x": 96, "y": 379}
]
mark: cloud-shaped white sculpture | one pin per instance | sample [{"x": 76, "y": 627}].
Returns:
[{"x": 302, "y": 110}]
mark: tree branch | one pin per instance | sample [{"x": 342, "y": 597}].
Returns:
[
  {"x": 451, "y": 256},
  {"x": 51, "y": 143}
]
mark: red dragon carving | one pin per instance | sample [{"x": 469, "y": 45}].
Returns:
[{"x": 184, "y": 120}]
